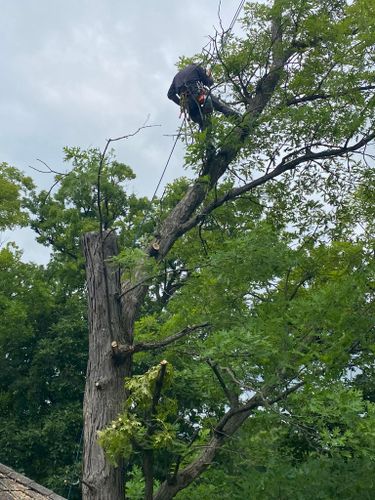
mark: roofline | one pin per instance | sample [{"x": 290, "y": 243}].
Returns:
[{"x": 30, "y": 484}]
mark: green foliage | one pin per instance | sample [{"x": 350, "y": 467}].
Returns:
[
  {"x": 13, "y": 184},
  {"x": 63, "y": 216},
  {"x": 135, "y": 487},
  {"x": 295, "y": 451},
  {"x": 144, "y": 422},
  {"x": 133, "y": 258},
  {"x": 42, "y": 366}
]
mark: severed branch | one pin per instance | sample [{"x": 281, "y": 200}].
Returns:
[
  {"x": 148, "y": 455},
  {"x": 122, "y": 351}
]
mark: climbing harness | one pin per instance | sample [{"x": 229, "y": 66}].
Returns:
[
  {"x": 195, "y": 92},
  {"x": 202, "y": 96}
]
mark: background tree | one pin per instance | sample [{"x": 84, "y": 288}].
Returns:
[
  {"x": 13, "y": 184},
  {"x": 43, "y": 335},
  {"x": 43, "y": 354}
]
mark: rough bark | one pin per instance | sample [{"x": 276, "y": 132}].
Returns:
[{"x": 104, "y": 392}]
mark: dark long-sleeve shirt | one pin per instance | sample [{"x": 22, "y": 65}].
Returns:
[{"x": 190, "y": 74}]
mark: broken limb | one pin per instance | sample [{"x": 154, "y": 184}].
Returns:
[{"x": 148, "y": 455}]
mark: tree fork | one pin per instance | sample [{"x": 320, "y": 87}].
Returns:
[{"x": 104, "y": 391}]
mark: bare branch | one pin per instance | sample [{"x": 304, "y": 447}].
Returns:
[
  {"x": 50, "y": 170},
  {"x": 101, "y": 164},
  {"x": 127, "y": 136}
]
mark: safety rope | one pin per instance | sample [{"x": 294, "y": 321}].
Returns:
[
  {"x": 159, "y": 182},
  {"x": 235, "y": 17},
  {"x": 169, "y": 159},
  {"x": 226, "y": 33}
]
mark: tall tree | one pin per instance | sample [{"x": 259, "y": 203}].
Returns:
[
  {"x": 247, "y": 278},
  {"x": 302, "y": 77}
]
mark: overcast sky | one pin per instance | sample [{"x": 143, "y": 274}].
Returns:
[{"x": 77, "y": 72}]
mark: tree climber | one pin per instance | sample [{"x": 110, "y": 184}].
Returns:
[{"x": 189, "y": 91}]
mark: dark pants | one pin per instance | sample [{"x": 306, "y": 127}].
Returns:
[{"x": 200, "y": 113}]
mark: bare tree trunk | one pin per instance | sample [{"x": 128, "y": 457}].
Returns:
[{"x": 104, "y": 392}]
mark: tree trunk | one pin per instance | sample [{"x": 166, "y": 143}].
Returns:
[{"x": 104, "y": 392}]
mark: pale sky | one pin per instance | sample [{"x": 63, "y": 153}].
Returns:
[{"x": 77, "y": 72}]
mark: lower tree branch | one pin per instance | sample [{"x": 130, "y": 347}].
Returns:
[
  {"x": 122, "y": 351},
  {"x": 225, "y": 428},
  {"x": 322, "y": 95}
]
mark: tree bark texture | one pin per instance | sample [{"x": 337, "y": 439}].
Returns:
[{"x": 104, "y": 392}]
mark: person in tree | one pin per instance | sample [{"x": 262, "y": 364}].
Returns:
[{"x": 190, "y": 91}]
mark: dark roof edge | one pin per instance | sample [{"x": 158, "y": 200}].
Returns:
[{"x": 32, "y": 485}]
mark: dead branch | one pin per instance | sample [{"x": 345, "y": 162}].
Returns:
[{"x": 101, "y": 164}]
